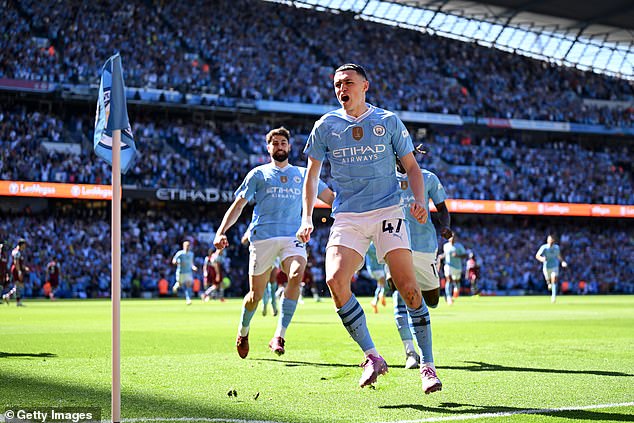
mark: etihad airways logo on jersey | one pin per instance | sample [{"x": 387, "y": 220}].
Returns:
[
  {"x": 283, "y": 192},
  {"x": 361, "y": 153}
]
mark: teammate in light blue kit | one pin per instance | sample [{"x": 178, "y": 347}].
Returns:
[
  {"x": 453, "y": 253},
  {"x": 184, "y": 261},
  {"x": 424, "y": 248},
  {"x": 550, "y": 255},
  {"x": 362, "y": 142},
  {"x": 377, "y": 271},
  {"x": 276, "y": 189}
]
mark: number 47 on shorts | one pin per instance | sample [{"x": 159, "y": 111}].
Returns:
[{"x": 388, "y": 227}]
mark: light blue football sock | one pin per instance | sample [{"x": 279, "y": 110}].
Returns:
[
  {"x": 448, "y": 290},
  {"x": 266, "y": 296},
  {"x": 401, "y": 318},
  {"x": 377, "y": 292},
  {"x": 288, "y": 310},
  {"x": 353, "y": 318},
  {"x": 421, "y": 329},
  {"x": 245, "y": 320},
  {"x": 271, "y": 288}
]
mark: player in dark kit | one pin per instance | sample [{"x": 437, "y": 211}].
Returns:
[
  {"x": 4, "y": 268},
  {"x": 52, "y": 276},
  {"x": 18, "y": 273}
]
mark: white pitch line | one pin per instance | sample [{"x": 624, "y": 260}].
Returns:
[
  {"x": 429, "y": 419},
  {"x": 512, "y": 413}
]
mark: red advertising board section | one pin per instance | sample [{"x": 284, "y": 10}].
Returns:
[{"x": 104, "y": 192}]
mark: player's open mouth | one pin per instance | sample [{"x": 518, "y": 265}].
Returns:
[{"x": 344, "y": 98}]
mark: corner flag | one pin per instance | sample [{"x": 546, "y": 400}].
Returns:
[{"x": 112, "y": 114}]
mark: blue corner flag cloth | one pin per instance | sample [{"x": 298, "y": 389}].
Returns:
[{"x": 112, "y": 113}]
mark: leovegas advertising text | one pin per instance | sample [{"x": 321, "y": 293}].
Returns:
[
  {"x": 55, "y": 190},
  {"x": 104, "y": 192},
  {"x": 530, "y": 208}
]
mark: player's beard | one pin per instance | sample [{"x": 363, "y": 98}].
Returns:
[{"x": 280, "y": 156}]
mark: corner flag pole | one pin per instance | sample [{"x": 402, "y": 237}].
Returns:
[
  {"x": 114, "y": 142},
  {"x": 116, "y": 275}
]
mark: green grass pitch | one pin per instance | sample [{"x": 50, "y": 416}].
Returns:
[{"x": 497, "y": 358}]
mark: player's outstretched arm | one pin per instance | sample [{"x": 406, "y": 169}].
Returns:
[
  {"x": 231, "y": 216},
  {"x": 309, "y": 195}
]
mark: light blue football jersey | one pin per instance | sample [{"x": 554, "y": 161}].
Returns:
[
  {"x": 422, "y": 236},
  {"x": 278, "y": 200},
  {"x": 448, "y": 250},
  {"x": 371, "y": 261},
  {"x": 184, "y": 261},
  {"x": 361, "y": 155},
  {"x": 551, "y": 254}
]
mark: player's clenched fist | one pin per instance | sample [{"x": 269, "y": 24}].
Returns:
[
  {"x": 306, "y": 228},
  {"x": 418, "y": 211},
  {"x": 220, "y": 241}
]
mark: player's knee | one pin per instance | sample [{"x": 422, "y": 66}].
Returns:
[
  {"x": 336, "y": 284},
  {"x": 255, "y": 296},
  {"x": 411, "y": 296},
  {"x": 295, "y": 275}
]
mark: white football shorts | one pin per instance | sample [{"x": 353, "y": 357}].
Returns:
[{"x": 263, "y": 253}]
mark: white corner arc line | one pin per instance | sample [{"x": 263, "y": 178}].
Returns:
[{"x": 512, "y": 413}]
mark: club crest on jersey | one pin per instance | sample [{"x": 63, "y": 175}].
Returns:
[
  {"x": 404, "y": 185},
  {"x": 284, "y": 179},
  {"x": 357, "y": 133},
  {"x": 379, "y": 130},
  {"x": 297, "y": 179}
]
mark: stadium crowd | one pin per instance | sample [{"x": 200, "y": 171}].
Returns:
[
  {"x": 180, "y": 154},
  {"x": 78, "y": 238},
  {"x": 252, "y": 49}
]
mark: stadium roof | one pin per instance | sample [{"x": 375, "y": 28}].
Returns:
[
  {"x": 590, "y": 35},
  {"x": 614, "y": 13}
]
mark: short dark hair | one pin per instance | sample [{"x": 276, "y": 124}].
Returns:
[
  {"x": 354, "y": 67},
  {"x": 22, "y": 241},
  {"x": 278, "y": 131}
]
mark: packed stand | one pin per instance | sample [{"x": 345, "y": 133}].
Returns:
[
  {"x": 82, "y": 36},
  {"x": 602, "y": 256},
  {"x": 599, "y": 255},
  {"x": 499, "y": 168},
  {"x": 181, "y": 154},
  {"x": 251, "y": 49}
]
